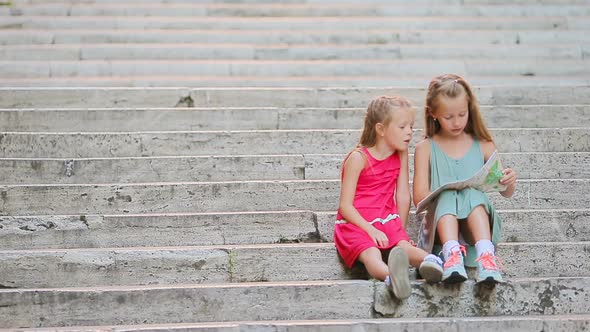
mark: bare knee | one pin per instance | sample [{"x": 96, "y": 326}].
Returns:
[
  {"x": 478, "y": 212},
  {"x": 448, "y": 221}
]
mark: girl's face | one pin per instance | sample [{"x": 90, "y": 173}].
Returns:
[
  {"x": 452, "y": 114},
  {"x": 398, "y": 133}
]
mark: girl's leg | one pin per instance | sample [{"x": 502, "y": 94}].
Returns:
[
  {"x": 448, "y": 232},
  {"x": 374, "y": 264},
  {"x": 397, "y": 271},
  {"x": 478, "y": 232},
  {"x": 430, "y": 266},
  {"x": 478, "y": 225},
  {"x": 416, "y": 255},
  {"x": 448, "y": 228}
]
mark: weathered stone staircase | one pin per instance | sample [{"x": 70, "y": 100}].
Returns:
[{"x": 174, "y": 165}]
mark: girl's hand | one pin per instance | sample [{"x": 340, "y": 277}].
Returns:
[
  {"x": 509, "y": 177},
  {"x": 378, "y": 237}
]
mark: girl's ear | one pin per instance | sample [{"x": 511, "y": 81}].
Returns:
[
  {"x": 380, "y": 129},
  {"x": 429, "y": 112}
]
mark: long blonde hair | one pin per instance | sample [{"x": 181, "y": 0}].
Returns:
[
  {"x": 380, "y": 110},
  {"x": 452, "y": 86}
]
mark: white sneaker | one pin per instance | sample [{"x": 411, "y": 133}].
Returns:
[
  {"x": 431, "y": 269},
  {"x": 399, "y": 275}
]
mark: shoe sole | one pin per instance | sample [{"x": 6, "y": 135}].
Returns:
[
  {"x": 430, "y": 272},
  {"x": 398, "y": 264},
  {"x": 488, "y": 281},
  {"x": 455, "y": 278}
]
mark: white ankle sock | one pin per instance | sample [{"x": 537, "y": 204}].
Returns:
[
  {"x": 387, "y": 281},
  {"x": 484, "y": 246},
  {"x": 451, "y": 244}
]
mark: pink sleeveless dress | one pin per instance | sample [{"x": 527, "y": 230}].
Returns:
[{"x": 374, "y": 200}]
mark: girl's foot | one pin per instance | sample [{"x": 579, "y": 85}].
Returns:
[
  {"x": 431, "y": 269},
  {"x": 487, "y": 269},
  {"x": 398, "y": 264},
  {"x": 454, "y": 268}
]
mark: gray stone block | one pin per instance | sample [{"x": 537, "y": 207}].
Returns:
[
  {"x": 309, "y": 10},
  {"x": 106, "y": 144},
  {"x": 240, "y": 196},
  {"x": 93, "y": 97},
  {"x": 525, "y": 37},
  {"x": 555, "y": 165},
  {"x": 261, "y": 118},
  {"x": 291, "y": 68},
  {"x": 359, "y": 97},
  {"x": 144, "y": 170},
  {"x": 518, "y": 297},
  {"x": 362, "y": 20},
  {"x": 266, "y": 97},
  {"x": 245, "y": 263},
  {"x": 39, "y": 53},
  {"x": 561, "y": 323},
  {"x": 279, "y": 81},
  {"x": 190, "y": 229},
  {"x": 189, "y": 303},
  {"x": 283, "y": 52},
  {"x": 160, "y": 230}
]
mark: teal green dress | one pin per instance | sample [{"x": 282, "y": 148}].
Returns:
[{"x": 460, "y": 203}]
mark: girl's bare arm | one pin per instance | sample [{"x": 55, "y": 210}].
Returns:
[{"x": 421, "y": 171}]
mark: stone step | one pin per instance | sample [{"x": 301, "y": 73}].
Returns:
[
  {"x": 534, "y": 165},
  {"x": 296, "y": 10},
  {"x": 207, "y": 143},
  {"x": 177, "y": 229},
  {"x": 206, "y": 229},
  {"x": 315, "y": 195},
  {"x": 55, "y": 268},
  {"x": 279, "y": 81},
  {"x": 281, "y": 301},
  {"x": 517, "y": 297},
  {"x": 187, "y": 303},
  {"x": 311, "y": 36},
  {"x": 293, "y": 68},
  {"x": 288, "y": 52},
  {"x": 120, "y": 97},
  {"x": 163, "y": 17},
  {"x": 259, "y": 2},
  {"x": 164, "y": 169},
  {"x": 485, "y": 324},
  {"x": 121, "y": 119}
]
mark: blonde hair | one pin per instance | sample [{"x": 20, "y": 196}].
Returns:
[
  {"x": 452, "y": 86},
  {"x": 380, "y": 110}
]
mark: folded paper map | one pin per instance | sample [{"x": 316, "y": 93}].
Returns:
[{"x": 487, "y": 179}]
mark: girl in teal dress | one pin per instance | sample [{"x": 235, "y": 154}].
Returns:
[{"x": 457, "y": 145}]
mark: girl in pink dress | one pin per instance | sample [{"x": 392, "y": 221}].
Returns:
[{"x": 375, "y": 200}]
